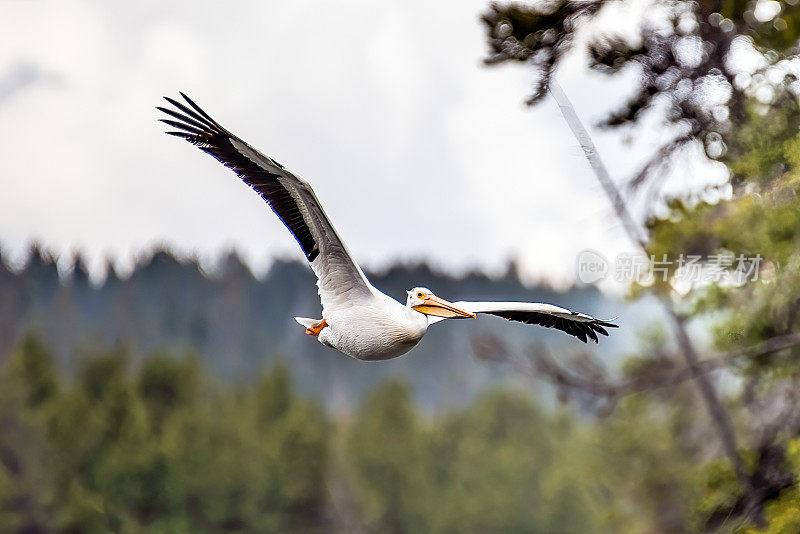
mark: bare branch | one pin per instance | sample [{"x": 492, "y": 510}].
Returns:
[
  {"x": 659, "y": 375},
  {"x": 590, "y": 151}
]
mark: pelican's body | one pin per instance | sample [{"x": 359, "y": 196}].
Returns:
[
  {"x": 357, "y": 319},
  {"x": 375, "y": 327}
]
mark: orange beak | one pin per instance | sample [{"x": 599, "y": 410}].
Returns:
[{"x": 433, "y": 305}]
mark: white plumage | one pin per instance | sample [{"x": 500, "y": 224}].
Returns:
[{"x": 357, "y": 319}]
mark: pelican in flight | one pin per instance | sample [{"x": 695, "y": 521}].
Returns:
[{"x": 357, "y": 319}]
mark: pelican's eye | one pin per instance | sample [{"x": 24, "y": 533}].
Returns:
[{"x": 420, "y": 295}]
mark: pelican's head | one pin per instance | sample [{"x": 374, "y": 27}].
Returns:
[{"x": 424, "y": 301}]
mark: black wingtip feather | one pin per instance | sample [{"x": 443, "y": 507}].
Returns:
[
  {"x": 191, "y": 113},
  {"x": 198, "y": 109},
  {"x": 182, "y": 126},
  {"x": 183, "y": 118}
]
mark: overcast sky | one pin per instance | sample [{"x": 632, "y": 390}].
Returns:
[{"x": 384, "y": 107}]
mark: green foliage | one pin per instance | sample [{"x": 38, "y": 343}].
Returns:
[
  {"x": 26, "y": 482},
  {"x": 385, "y": 447},
  {"x": 654, "y": 468},
  {"x": 499, "y": 466},
  {"x": 764, "y": 220},
  {"x": 515, "y": 470},
  {"x": 783, "y": 514},
  {"x": 163, "y": 447},
  {"x": 36, "y": 368},
  {"x": 159, "y": 448}
]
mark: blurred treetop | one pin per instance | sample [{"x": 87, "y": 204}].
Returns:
[{"x": 703, "y": 61}]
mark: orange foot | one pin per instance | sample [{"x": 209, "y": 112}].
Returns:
[{"x": 317, "y": 328}]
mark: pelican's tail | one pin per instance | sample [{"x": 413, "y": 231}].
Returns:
[
  {"x": 305, "y": 321},
  {"x": 313, "y": 326}
]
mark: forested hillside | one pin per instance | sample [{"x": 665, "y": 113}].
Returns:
[
  {"x": 237, "y": 324},
  {"x": 162, "y": 446}
]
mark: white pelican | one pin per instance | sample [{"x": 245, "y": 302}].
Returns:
[{"x": 357, "y": 319}]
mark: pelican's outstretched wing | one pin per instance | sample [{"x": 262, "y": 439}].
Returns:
[
  {"x": 338, "y": 276},
  {"x": 573, "y": 323}
]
